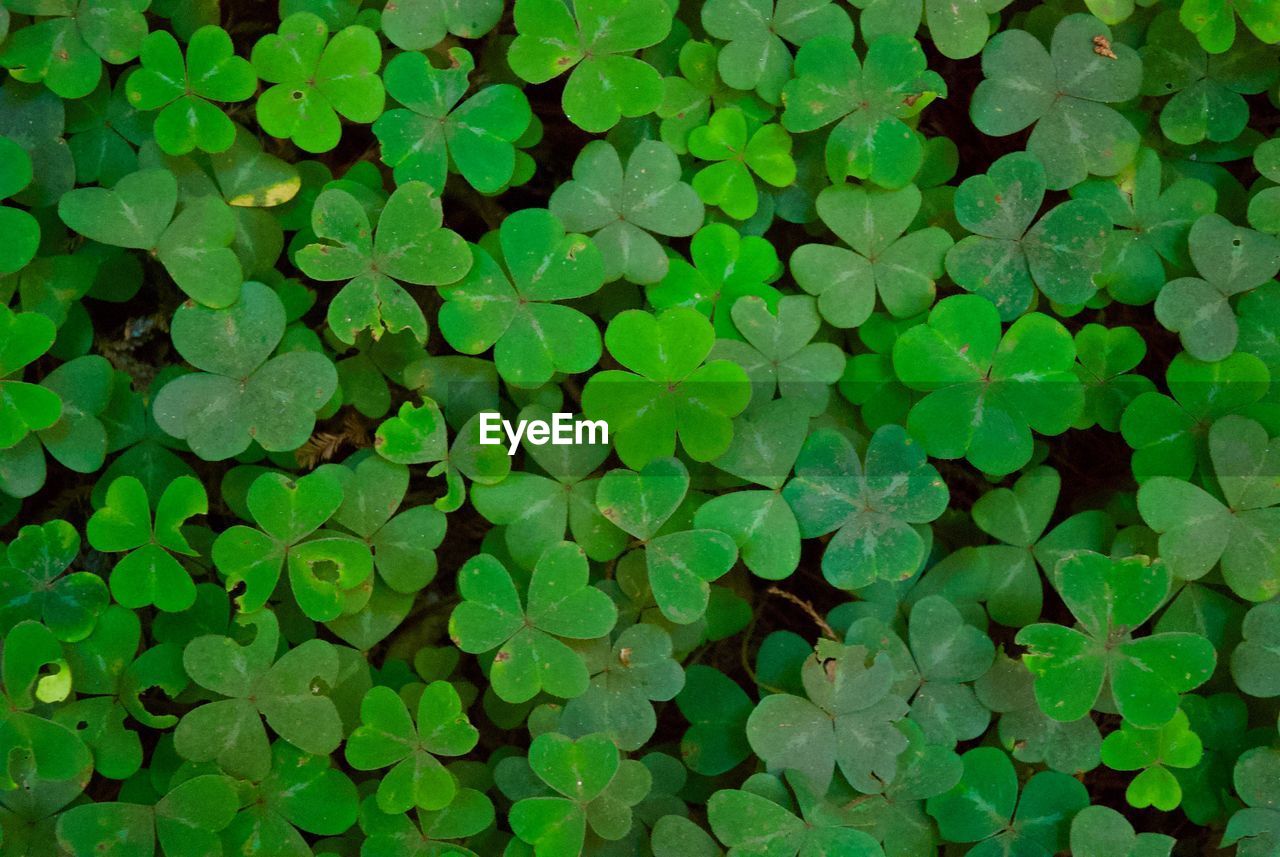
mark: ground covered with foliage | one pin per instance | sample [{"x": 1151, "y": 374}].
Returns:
[{"x": 939, "y": 345}]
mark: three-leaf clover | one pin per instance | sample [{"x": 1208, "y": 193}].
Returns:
[
  {"x": 408, "y": 245},
  {"x": 141, "y": 211},
  {"x": 883, "y": 257},
  {"x": 531, "y": 654},
  {"x": 1198, "y": 530},
  {"x": 149, "y": 573},
  {"x": 1065, "y": 93},
  {"x": 438, "y": 127},
  {"x": 736, "y": 151},
  {"x": 34, "y": 587},
  {"x": 20, "y": 228},
  {"x": 596, "y": 40},
  {"x": 256, "y": 685},
  {"x": 753, "y": 824},
  {"x": 1231, "y": 260},
  {"x": 1255, "y": 664},
  {"x": 758, "y": 31},
  {"x": 417, "y": 25},
  {"x": 1153, "y": 752},
  {"x": 24, "y": 407},
  {"x": 388, "y": 736},
  {"x": 1214, "y": 21},
  {"x": 317, "y": 79},
  {"x": 242, "y": 394},
  {"x": 186, "y": 821},
  {"x": 669, "y": 390},
  {"x": 985, "y": 807},
  {"x": 66, "y": 47},
  {"x": 1110, "y": 599},
  {"x": 986, "y": 393},
  {"x": 182, "y": 90},
  {"x": 874, "y": 505},
  {"x": 624, "y": 209},
  {"x": 681, "y": 563},
  {"x": 1007, "y": 258},
  {"x": 509, "y": 304},
  {"x": 870, "y": 99}
]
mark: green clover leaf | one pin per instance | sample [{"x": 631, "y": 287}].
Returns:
[
  {"x": 1153, "y": 752},
  {"x": 1100, "y": 831},
  {"x": 726, "y": 266},
  {"x": 242, "y": 395},
  {"x": 1106, "y": 357},
  {"x": 1254, "y": 662},
  {"x": 985, "y": 807},
  {"x": 736, "y": 152},
  {"x": 1198, "y": 531},
  {"x": 149, "y": 573},
  {"x": 669, "y": 390},
  {"x": 317, "y": 79},
  {"x": 884, "y": 258},
  {"x": 21, "y": 229},
  {"x": 688, "y": 98},
  {"x": 416, "y": 25},
  {"x": 753, "y": 825},
  {"x": 1264, "y": 207},
  {"x": 35, "y": 587},
  {"x": 1110, "y": 599},
  {"x": 1231, "y": 261},
  {"x": 182, "y": 90},
  {"x": 255, "y": 685},
  {"x": 949, "y": 653},
  {"x": 66, "y": 48},
  {"x": 758, "y": 31},
  {"x": 870, "y": 99},
  {"x": 388, "y": 736},
  {"x": 470, "y": 813},
  {"x": 186, "y": 822},
  {"x": 1214, "y": 22},
  {"x": 681, "y": 564},
  {"x": 141, "y": 211},
  {"x": 531, "y": 654},
  {"x": 1065, "y": 93},
  {"x": 624, "y": 209},
  {"x": 960, "y": 29},
  {"x": 511, "y": 305},
  {"x": 24, "y": 407},
  {"x": 717, "y": 710},
  {"x": 408, "y": 245},
  {"x": 986, "y": 393},
  {"x": 438, "y": 126},
  {"x": 875, "y": 506},
  {"x": 596, "y": 40},
  {"x": 1007, "y": 258}
]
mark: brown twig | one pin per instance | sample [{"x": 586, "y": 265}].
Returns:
[{"x": 808, "y": 608}]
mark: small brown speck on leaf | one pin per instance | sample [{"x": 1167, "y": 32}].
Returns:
[{"x": 1102, "y": 47}]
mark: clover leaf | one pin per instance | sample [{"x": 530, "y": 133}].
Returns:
[
  {"x": 328, "y": 574},
  {"x": 1153, "y": 752},
  {"x": 669, "y": 391},
  {"x": 1254, "y": 662},
  {"x": 36, "y": 588},
  {"x": 870, "y": 99},
  {"x": 531, "y": 655},
  {"x": 756, "y": 56},
  {"x": 1154, "y": 221},
  {"x": 24, "y": 407},
  {"x": 1255, "y": 828},
  {"x": 1231, "y": 261},
  {"x": 726, "y": 266},
  {"x": 985, "y": 807},
  {"x": 874, "y": 505},
  {"x": 1064, "y": 92},
  {"x": 689, "y": 97},
  {"x": 1100, "y": 831},
  {"x": 1214, "y": 22},
  {"x": 186, "y": 821},
  {"x": 21, "y": 228},
  {"x": 717, "y": 710},
  {"x": 242, "y": 395},
  {"x": 1007, "y": 258},
  {"x": 596, "y": 40},
  {"x": 1264, "y": 207},
  {"x": 753, "y": 824},
  {"x": 884, "y": 258},
  {"x": 408, "y": 245},
  {"x": 388, "y": 736},
  {"x": 416, "y": 25},
  {"x": 141, "y": 211},
  {"x": 1106, "y": 356},
  {"x": 182, "y": 90},
  {"x": 984, "y": 393},
  {"x": 624, "y": 209},
  {"x": 66, "y": 48},
  {"x": 438, "y": 126},
  {"x": 680, "y": 564},
  {"x": 509, "y": 303},
  {"x": 317, "y": 79},
  {"x": 1198, "y": 531},
  {"x": 1111, "y": 599},
  {"x": 778, "y": 355},
  {"x": 255, "y": 685},
  {"x": 848, "y": 720},
  {"x": 470, "y": 813},
  {"x": 149, "y": 573},
  {"x": 949, "y": 653},
  {"x": 736, "y": 152},
  {"x": 34, "y": 671}
]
